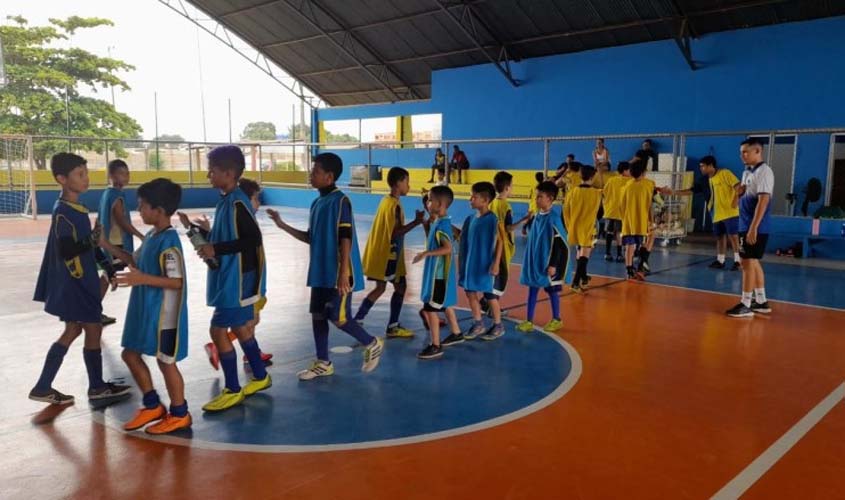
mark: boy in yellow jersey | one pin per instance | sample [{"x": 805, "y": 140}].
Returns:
[
  {"x": 579, "y": 211},
  {"x": 384, "y": 255},
  {"x": 500, "y": 206},
  {"x": 636, "y": 215},
  {"x": 612, "y": 203},
  {"x": 532, "y": 203},
  {"x": 725, "y": 215}
]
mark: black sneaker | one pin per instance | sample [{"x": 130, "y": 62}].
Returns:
[
  {"x": 740, "y": 311},
  {"x": 51, "y": 396},
  {"x": 620, "y": 258},
  {"x": 431, "y": 352},
  {"x": 107, "y": 320},
  {"x": 716, "y": 265},
  {"x": 763, "y": 308},
  {"x": 109, "y": 390},
  {"x": 608, "y": 257},
  {"x": 736, "y": 266},
  {"x": 644, "y": 268},
  {"x": 452, "y": 339}
]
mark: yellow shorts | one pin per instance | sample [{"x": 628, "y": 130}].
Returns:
[{"x": 259, "y": 306}]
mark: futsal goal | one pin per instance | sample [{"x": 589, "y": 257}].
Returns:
[{"x": 17, "y": 187}]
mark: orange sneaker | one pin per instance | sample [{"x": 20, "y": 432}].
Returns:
[
  {"x": 213, "y": 356},
  {"x": 144, "y": 416},
  {"x": 170, "y": 424}
]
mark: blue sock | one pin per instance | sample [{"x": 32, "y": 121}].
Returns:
[
  {"x": 396, "y": 301},
  {"x": 554, "y": 299},
  {"x": 179, "y": 410},
  {"x": 151, "y": 400},
  {"x": 364, "y": 309},
  {"x": 52, "y": 363},
  {"x": 253, "y": 355},
  {"x": 94, "y": 365},
  {"x": 356, "y": 330},
  {"x": 229, "y": 362},
  {"x": 532, "y": 303},
  {"x": 321, "y": 338}
]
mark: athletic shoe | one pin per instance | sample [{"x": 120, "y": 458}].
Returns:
[
  {"x": 740, "y": 311},
  {"x": 577, "y": 289},
  {"x": 398, "y": 332},
  {"x": 586, "y": 281},
  {"x": 716, "y": 265},
  {"x": 51, "y": 396},
  {"x": 109, "y": 390},
  {"x": 144, "y": 416},
  {"x": 213, "y": 356},
  {"x": 107, "y": 320},
  {"x": 318, "y": 368},
  {"x": 372, "y": 354},
  {"x": 620, "y": 258},
  {"x": 525, "y": 327},
  {"x": 224, "y": 400},
  {"x": 256, "y": 385},
  {"x": 431, "y": 352},
  {"x": 265, "y": 357},
  {"x": 474, "y": 331},
  {"x": 736, "y": 266},
  {"x": 763, "y": 308},
  {"x": 553, "y": 326},
  {"x": 169, "y": 424},
  {"x": 645, "y": 268},
  {"x": 640, "y": 276},
  {"x": 452, "y": 339},
  {"x": 608, "y": 257},
  {"x": 494, "y": 332}
]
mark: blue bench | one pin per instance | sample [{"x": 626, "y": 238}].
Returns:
[{"x": 807, "y": 241}]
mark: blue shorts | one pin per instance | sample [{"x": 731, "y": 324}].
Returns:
[
  {"x": 328, "y": 303},
  {"x": 634, "y": 239},
  {"x": 726, "y": 226},
  {"x": 232, "y": 317}
]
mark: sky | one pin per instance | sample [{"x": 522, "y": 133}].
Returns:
[{"x": 165, "y": 49}]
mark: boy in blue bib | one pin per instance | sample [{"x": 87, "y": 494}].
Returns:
[
  {"x": 334, "y": 269},
  {"x": 238, "y": 282},
  {"x": 157, "y": 316},
  {"x": 479, "y": 260},
  {"x": 69, "y": 287}
]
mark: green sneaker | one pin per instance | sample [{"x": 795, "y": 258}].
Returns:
[
  {"x": 525, "y": 327},
  {"x": 553, "y": 326}
]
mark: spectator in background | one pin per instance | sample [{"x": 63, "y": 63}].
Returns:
[
  {"x": 651, "y": 160},
  {"x": 459, "y": 162},
  {"x": 438, "y": 165},
  {"x": 601, "y": 156},
  {"x": 564, "y": 167}
]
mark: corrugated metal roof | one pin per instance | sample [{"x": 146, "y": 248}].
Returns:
[{"x": 368, "y": 51}]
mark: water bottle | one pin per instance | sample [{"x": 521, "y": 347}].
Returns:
[{"x": 198, "y": 240}]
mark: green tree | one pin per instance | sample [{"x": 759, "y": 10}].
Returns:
[
  {"x": 155, "y": 161},
  {"x": 170, "y": 140},
  {"x": 41, "y": 76},
  {"x": 259, "y": 131}
]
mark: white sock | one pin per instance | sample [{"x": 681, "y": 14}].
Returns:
[
  {"x": 746, "y": 299},
  {"x": 737, "y": 258},
  {"x": 721, "y": 258},
  {"x": 761, "y": 295}
]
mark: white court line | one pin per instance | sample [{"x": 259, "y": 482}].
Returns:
[{"x": 776, "y": 451}]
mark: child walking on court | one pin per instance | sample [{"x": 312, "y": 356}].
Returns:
[
  {"x": 636, "y": 217},
  {"x": 503, "y": 182},
  {"x": 580, "y": 211},
  {"x": 479, "y": 260},
  {"x": 69, "y": 287},
  {"x": 334, "y": 269},
  {"x": 612, "y": 203},
  {"x": 439, "y": 289},
  {"x": 157, "y": 316},
  {"x": 384, "y": 255},
  {"x": 546, "y": 261},
  {"x": 238, "y": 282}
]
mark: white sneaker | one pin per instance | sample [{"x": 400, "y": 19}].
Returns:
[
  {"x": 372, "y": 354},
  {"x": 319, "y": 368}
]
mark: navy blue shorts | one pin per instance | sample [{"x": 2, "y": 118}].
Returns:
[
  {"x": 633, "y": 239},
  {"x": 328, "y": 303},
  {"x": 728, "y": 226},
  {"x": 232, "y": 317}
]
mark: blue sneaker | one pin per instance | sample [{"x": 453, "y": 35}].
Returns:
[
  {"x": 476, "y": 330},
  {"x": 494, "y": 332}
]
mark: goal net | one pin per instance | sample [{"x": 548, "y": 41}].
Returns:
[{"x": 17, "y": 192}]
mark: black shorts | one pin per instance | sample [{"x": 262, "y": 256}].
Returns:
[
  {"x": 613, "y": 226},
  {"x": 755, "y": 251},
  {"x": 438, "y": 297},
  {"x": 500, "y": 281},
  {"x": 331, "y": 305}
]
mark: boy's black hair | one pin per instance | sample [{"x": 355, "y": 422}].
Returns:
[
  {"x": 229, "y": 157},
  {"x": 249, "y": 187},
  {"x": 395, "y": 176},
  {"x": 442, "y": 193},
  {"x": 502, "y": 180},
  {"x": 64, "y": 163},
  {"x": 116, "y": 164},
  {"x": 637, "y": 169},
  {"x": 752, "y": 141},
  {"x": 570, "y": 155},
  {"x": 330, "y": 162},
  {"x": 587, "y": 173},
  {"x": 709, "y": 160},
  {"x": 161, "y": 193},
  {"x": 548, "y": 187},
  {"x": 623, "y": 166},
  {"x": 485, "y": 188},
  {"x": 539, "y": 177},
  {"x": 575, "y": 166}
]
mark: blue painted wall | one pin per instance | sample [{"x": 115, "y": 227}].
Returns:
[{"x": 191, "y": 198}]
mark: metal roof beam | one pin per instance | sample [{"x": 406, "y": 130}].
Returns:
[
  {"x": 502, "y": 62},
  {"x": 685, "y": 44}
]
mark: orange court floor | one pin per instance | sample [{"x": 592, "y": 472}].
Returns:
[{"x": 661, "y": 396}]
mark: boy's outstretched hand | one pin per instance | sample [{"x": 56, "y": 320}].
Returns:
[
  {"x": 275, "y": 216},
  {"x": 419, "y": 216},
  {"x": 183, "y": 218},
  {"x": 206, "y": 251},
  {"x": 418, "y": 257},
  {"x": 131, "y": 277}
]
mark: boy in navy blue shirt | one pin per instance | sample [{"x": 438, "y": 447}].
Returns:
[{"x": 69, "y": 286}]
